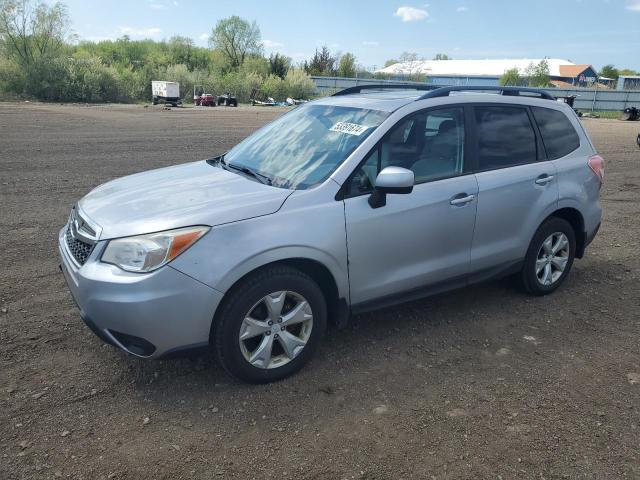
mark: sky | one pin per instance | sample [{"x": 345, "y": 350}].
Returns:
[{"x": 595, "y": 32}]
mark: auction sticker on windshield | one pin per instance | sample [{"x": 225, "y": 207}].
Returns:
[{"x": 349, "y": 128}]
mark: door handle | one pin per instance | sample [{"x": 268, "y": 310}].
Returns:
[
  {"x": 544, "y": 179},
  {"x": 458, "y": 200}
]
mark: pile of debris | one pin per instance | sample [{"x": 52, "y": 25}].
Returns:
[
  {"x": 259, "y": 98},
  {"x": 630, "y": 114}
]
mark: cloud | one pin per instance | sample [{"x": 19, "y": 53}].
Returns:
[
  {"x": 271, "y": 44},
  {"x": 158, "y": 6},
  {"x": 369, "y": 43},
  {"x": 462, "y": 9},
  {"x": 633, "y": 5},
  {"x": 411, "y": 14},
  {"x": 144, "y": 33},
  {"x": 203, "y": 36}
]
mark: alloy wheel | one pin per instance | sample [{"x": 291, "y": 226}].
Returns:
[
  {"x": 552, "y": 258},
  {"x": 276, "y": 329}
]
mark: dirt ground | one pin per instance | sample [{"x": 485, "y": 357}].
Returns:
[{"x": 483, "y": 382}]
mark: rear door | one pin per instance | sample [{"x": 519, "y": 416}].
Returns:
[
  {"x": 517, "y": 186},
  {"x": 578, "y": 187}
]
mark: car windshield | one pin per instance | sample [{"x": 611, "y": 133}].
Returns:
[{"x": 302, "y": 148}]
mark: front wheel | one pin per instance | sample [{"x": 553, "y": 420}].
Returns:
[
  {"x": 549, "y": 258},
  {"x": 270, "y": 325}
]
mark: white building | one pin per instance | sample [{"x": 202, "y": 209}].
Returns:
[{"x": 488, "y": 72}]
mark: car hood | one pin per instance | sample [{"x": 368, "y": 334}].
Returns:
[{"x": 179, "y": 196}]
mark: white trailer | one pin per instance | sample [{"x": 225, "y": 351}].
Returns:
[{"x": 165, "y": 92}]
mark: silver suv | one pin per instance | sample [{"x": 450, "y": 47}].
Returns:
[{"x": 345, "y": 204}]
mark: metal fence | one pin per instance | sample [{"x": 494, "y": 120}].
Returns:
[
  {"x": 587, "y": 99},
  {"x": 330, "y": 85}
]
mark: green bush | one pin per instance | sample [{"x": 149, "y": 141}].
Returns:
[
  {"x": 89, "y": 80},
  {"x": 83, "y": 75},
  {"x": 299, "y": 85},
  {"x": 273, "y": 86},
  {"x": 37, "y": 61}
]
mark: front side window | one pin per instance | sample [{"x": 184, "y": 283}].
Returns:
[
  {"x": 505, "y": 137},
  {"x": 302, "y": 148},
  {"x": 429, "y": 143},
  {"x": 558, "y": 135}
]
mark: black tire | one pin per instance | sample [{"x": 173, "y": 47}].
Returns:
[
  {"x": 155, "y": 101},
  {"x": 528, "y": 277},
  {"x": 226, "y": 329}
]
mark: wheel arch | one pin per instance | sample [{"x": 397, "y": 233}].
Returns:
[
  {"x": 319, "y": 272},
  {"x": 576, "y": 220}
]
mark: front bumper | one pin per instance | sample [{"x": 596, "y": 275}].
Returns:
[{"x": 147, "y": 315}]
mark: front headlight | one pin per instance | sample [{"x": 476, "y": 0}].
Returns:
[{"x": 145, "y": 253}]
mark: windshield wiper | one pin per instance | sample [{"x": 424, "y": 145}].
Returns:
[{"x": 248, "y": 171}]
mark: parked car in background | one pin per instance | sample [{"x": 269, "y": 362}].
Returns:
[{"x": 342, "y": 205}]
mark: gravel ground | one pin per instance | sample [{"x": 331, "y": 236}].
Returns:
[{"x": 483, "y": 382}]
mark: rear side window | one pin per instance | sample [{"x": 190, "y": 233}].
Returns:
[
  {"x": 505, "y": 137},
  {"x": 558, "y": 134}
]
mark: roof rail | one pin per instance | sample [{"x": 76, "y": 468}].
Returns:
[
  {"x": 507, "y": 91},
  {"x": 383, "y": 86}
]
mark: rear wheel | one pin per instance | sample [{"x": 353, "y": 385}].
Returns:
[
  {"x": 270, "y": 325},
  {"x": 549, "y": 258}
]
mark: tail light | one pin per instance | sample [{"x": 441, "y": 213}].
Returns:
[{"x": 596, "y": 163}]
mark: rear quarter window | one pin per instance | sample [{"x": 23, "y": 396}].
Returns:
[{"x": 558, "y": 135}]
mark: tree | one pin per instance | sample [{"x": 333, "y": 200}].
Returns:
[
  {"x": 609, "y": 71},
  {"x": 628, "y": 72},
  {"x": 538, "y": 74},
  {"x": 279, "y": 65},
  {"x": 347, "y": 66},
  {"x": 511, "y": 77},
  {"x": 322, "y": 63},
  {"x": 442, "y": 56},
  {"x": 408, "y": 57},
  {"x": 183, "y": 50},
  {"x": 30, "y": 32},
  {"x": 38, "y": 59},
  {"x": 391, "y": 61},
  {"x": 255, "y": 64},
  {"x": 236, "y": 38}
]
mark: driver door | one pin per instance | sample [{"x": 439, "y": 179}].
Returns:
[{"x": 421, "y": 241}]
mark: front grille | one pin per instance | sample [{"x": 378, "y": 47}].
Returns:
[{"x": 79, "y": 249}]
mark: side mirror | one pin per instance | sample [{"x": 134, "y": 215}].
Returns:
[{"x": 391, "y": 180}]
